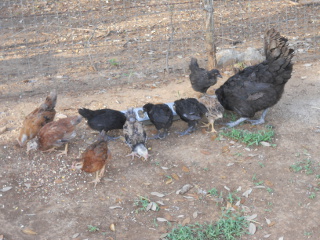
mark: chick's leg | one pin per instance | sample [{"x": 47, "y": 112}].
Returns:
[
  {"x": 208, "y": 126},
  {"x": 159, "y": 135},
  {"x": 188, "y": 131}
]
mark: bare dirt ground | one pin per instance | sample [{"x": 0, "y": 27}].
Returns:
[
  {"x": 58, "y": 203},
  {"x": 41, "y": 198}
]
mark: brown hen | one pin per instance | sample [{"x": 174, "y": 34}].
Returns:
[
  {"x": 35, "y": 120},
  {"x": 55, "y": 134},
  {"x": 95, "y": 158}
]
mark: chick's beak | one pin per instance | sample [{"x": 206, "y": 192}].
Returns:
[{"x": 219, "y": 75}]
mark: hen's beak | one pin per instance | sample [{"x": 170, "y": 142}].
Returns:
[{"x": 219, "y": 75}]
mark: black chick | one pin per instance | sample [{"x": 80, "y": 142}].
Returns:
[
  {"x": 260, "y": 86},
  {"x": 191, "y": 111},
  {"x": 135, "y": 135},
  {"x": 161, "y": 116},
  {"x": 103, "y": 119},
  {"x": 200, "y": 78}
]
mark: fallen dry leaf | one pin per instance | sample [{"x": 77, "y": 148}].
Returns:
[
  {"x": 214, "y": 137},
  {"x": 185, "y": 221},
  {"x": 5, "y": 189},
  {"x": 252, "y": 228},
  {"x": 268, "y": 221},
  {"x": 169, "y": 181},
  {"x": 162, "y": 219},
  {"x": 249, "y": 218},
  {"x": 157, "y": 194},
  {"x": 3, "y": 129},
  {"x": 225, "y": 149},
  {"x": 175, "y": 176},
  {"x": 271, "y": 224},
  {"x": 168, "y": 217},
  {"x": 185, "y": 169},
  {"x": 112, "y": 227},
  {"x": 184, "y": 189},
  {"x": 195, "y": 214},
  {"x": 29, "y": 231},
  {"x": 205, "y": 152},
  {"x": 247, "y": 193},
  {"x": 268, "y": 183}
]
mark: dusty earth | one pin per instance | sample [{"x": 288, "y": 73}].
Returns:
[
  {"x": 46, "y": 198},
  {"x": 41, "y": 198}
]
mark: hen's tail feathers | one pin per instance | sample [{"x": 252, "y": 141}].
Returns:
[
  {"x": 193, "y": 65},
  {"x": 276, "y": 47},
  {"x": 278, "y": 55},
  {"x": 86, "y": 113},
  {"x": 50, "y": 102},
  {"x": 76, "y": 120}
]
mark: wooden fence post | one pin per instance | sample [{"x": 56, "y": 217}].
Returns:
[{"x": 210, "y": 45}]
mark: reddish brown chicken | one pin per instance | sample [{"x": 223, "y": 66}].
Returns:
[
  {"x": 55, "y": 134},
  {"x": 35, "y": 120},
  {"x": 95, "y": 158}
]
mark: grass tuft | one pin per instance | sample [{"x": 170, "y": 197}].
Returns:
[
  {"x": 230, "y": 226},
  {"x": 249, "y": 138}
]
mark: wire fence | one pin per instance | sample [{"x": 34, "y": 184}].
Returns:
[{"x": 100, "y": 43}]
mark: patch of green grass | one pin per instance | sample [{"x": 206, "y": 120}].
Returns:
[
  {"x": 213, "y": 192},
  {"x": 269, "y": 190},
  {"x": 249, "y": 138},
  {"x": 114, "y": 62},
  {"x": 304, "y": 165},
  {"x": 92, "y": 228},
  {"x": 230, "y": 115},
  {"x": 312, "y": 195},
  {"x": 142, "y": 203},
  {"x": 230, "y": 226},
  {"x": 232, "y": 198}
]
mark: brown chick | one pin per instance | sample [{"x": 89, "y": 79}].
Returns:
[
  {"x": 55, "y": 134},
  {"x": 35, "y": 120},
  {"x": 94, "y": 159},
  {"x": 215, "y": 111}
]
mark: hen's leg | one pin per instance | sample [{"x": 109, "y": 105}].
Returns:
[
  {"x": 96, "y": 180},
  {"x": 260, "y": 120},
  {"x": 65, "y": 151},
  {"x": 101, "y": 172},
  {"x": 235, "y": 123}
]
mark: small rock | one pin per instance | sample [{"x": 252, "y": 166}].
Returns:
[{"x": 75, "y": 235}]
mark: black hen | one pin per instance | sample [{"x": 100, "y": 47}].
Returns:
[
  {"x": 260, "y": 86},
  {"x": 191, "y": 111},
  {"x": 103, "y": 119},
  {"x": 161, "y": 116},
  {"x": 200, "y": 78},
  {"x": 135, "y": 135}
]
